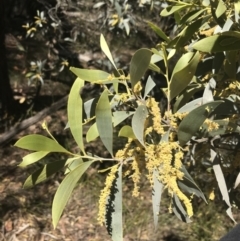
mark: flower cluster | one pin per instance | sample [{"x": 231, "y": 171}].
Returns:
[
  {"x": 105, "y": 194},
  {"x": 166, "y": 159}
]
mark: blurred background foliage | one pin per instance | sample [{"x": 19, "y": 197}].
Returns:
[{"x": 43, "y": 38}]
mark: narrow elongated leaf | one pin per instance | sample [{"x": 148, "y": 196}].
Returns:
[
  {"x": 104, "y": 121},
  {"x": 221, "y": 182},
  {"x": 73, "y": 164},
  {"x": 192, "y": 122},
  {"x": 183, "y": 73},
  {"x": 90, "y": 106},
  {"x": 218, "y": 43},
  {"x": 186, "y": 96},
  {"x": 127, "y": 131},
  {"x": 190, "y": 16},
  {"x": 156, "y": 196},
  {"x": 138, "y": 121},
  {"x": 75, "y": 112},
  {"x": 32, "y": 158},
  {"x": 117, "y": 226},
  {"x": 207, "y": 94},
  {"x": 90, "y": 75},
  {"x": 172, "y": 9},
  {"x": 120, "y": 116},
  {"x": 158, "y": 31},
  {"x": 149, "y": 86},
  {"x": 188, "y": 185},
  {"x": 65, "y": 189},
  {"x": 237, "y": 181},
  {"x": 221, "y": 9},
  {"x": 191, "y": 105},
  {"x": 188, "y": 32},
  {"x": 37, "y": 142},
  {"x": 92, "y": 133},
  {"x": 179, "y": 210},
  {"x": 139, "y": 64},
  {"x": 106, "y": 50},
  {"x": 43, "y": 173}
]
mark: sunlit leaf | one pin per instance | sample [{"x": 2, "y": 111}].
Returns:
[
  {"x": 227, "y": 41},
  {"x": 92, "y": 133},
  {"x": 237, "y": 181},
  {"x": 156, "y": 196},
  {"x": 37, "y": 142},
  {"x": 43, "y": 173},
  {"x": 190, "y": 16},
  {"x": 138, "y": 121},
  {"x": 183, "y": 73},
  {"x": 191, "y": 105},
  {"x": 126, "y": 25},
  {"x": 105, "y": 49},
  {"x": 73, "y": 164},
  {"x": 32, "y": 158},
  {"x": 149, "y": 86},
  {"x": 75, "y": 112},
  {"x": 91, "y": 75},
  {"x": 139, "y": 64},
  {"x": 188, "y": 32},
  {"x": 221, "y": 9},
  {"x": 114, "y": 211},
  {"x": 172, "y": 9},
  {"x": 65, "y": 189},
  {"x": 158, "y": 31},
  {"x": 127, "y": 131},
  {"x": 221, "y": 182},
  {"x": 104, "y": 121},
  {"x": 208, "y": 91},
  {"x": 187, "y": 94},
  {"x": 120, "y": 116}
]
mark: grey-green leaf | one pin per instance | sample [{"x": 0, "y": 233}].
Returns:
[
  {"x": 149, "y": 86},
  {"x": 104, "y": 121},
  {"x": 117, "y": 223},
  {"x": 32, "y": 158},
  {"x": 43, "y": 173},
  {"x": 159, "y": 32},
  {"x": 183, "y": 73},
  {"x": 218, "y": 43},
  {"x": 188, "y": 185},
  {"x": 92, "y": 133},
  {"x": 37, "y": 142},
  {"x": 192, "y": 122},
  {"x": 138, "y": 121},
  {"x": 65, "y": 189},
  {"x": 139, "y": 64},
  {"x": 75, "y": 112},
  {"x": 91, "y": 75},
  {"x": 156, "y": 196},
  {"x": 127, "y": 131},
  {"x": 179, "y": 210}
]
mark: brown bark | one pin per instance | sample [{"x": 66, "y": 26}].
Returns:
[{"x": 6, "y": 93}]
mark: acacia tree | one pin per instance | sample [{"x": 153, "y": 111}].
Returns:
[{"x": 192, "y": 135}]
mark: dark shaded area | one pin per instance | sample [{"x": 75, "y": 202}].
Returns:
[
  {"x": 233, "y": 235},
  {"x": 6, "y": 93}
]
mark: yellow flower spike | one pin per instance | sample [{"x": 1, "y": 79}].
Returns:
[{"x": 105, "y": 193}]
